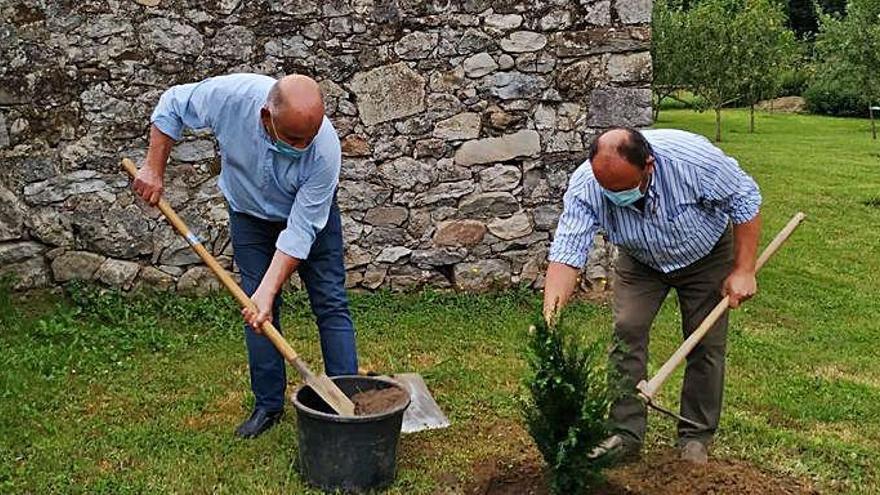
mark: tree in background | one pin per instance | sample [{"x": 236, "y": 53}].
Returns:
[
  {"x": 707, "y": 37},
  {"x": 764, "y": 51},
  {"x": 669, "y": 60},
  {"x": 848, "y": 51},
  {"x": 724, "y": 51}
]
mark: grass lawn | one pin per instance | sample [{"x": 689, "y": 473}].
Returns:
[{"x": 100, "y": 393}]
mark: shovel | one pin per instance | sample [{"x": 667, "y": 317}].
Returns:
[
  {"x": 648, "y": 389},
  {"x": 423, "y": 412},
  {"x": 321, "y": 384}
]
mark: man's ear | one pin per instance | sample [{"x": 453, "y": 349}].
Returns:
[
  {"x": 264, "y": 118},
  {"x": 649, "y": 165}
]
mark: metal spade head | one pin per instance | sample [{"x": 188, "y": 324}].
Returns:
[{"x": 423, "y": 412}]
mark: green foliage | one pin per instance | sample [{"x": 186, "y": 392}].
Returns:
[
  {"x": 848, "y": 54},
  {"x": 724, "y": 51},
  {"x": 836, "y": 96},
  {"x": 8, "y": 312},
  {"x": 794, "y": 81},
  {"x": 669, "y": 58},
  {"x": 570, "y": 395},
  {"x": 766, "y": 49}
]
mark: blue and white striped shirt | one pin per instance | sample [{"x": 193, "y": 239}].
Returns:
[{"x": 695, "y": 191}]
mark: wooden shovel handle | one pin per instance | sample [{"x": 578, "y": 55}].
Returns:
[
  {"x": 647, "y": 390},
  {"x": 268, "y": 328}
]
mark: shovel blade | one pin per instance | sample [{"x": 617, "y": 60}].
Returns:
[
  {"x": 327, "y": 390},
  {"x": 423, "y": 412}
]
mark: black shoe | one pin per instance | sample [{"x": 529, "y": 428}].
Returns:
[
  {"x": 260, "y": 421},
  {"x": 616, "y": 449}
]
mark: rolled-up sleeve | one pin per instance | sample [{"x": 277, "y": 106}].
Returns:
[
  {"x": 310, "y": 210},
  {"x": 728, "y": 185},
  {"x": 577, "y": 226},
  {"x": 184, "y": 106}
]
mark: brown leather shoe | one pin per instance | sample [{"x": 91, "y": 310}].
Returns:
[{"x": 694, "y": 451}]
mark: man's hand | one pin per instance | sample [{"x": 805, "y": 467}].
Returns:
[
  {"x": 558, "y": 288},
  {"x": 263, "y": 300},
  {"x": 149, "y": 184},
  {"x": 740, "y": 286},
  {"x": 550, "y": 308}
]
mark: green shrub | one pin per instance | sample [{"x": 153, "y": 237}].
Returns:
[
  {"x": 793, "y": 82},
  {"x": 566, "y": 411},
  {"x": 837, "y": 97}
]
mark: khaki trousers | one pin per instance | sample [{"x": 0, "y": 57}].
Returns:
[{"x": 639, "y": 290}]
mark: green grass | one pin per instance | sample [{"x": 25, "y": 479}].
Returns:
[{"x": 105, "y": 394}]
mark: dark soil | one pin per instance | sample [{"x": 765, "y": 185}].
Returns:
[
  {"x": 377, "y": 401},
  {"x": 658, "y": 474}
]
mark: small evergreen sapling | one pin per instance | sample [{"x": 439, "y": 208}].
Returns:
[{"x": 570, "y": 394}]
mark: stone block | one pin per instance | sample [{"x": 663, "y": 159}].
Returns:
[
  {"x": 489, "y": 150},
  {"x": 388, "y": 93}
]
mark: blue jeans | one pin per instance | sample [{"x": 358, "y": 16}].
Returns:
[{"x": 323, "y": 274}]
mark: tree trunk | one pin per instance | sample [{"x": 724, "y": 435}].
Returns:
[
  {"x": 718, "y": 124},
  {"x": 873, "y": 126},
  {"x": 752, "y": 117}
]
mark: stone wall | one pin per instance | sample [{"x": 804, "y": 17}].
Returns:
[{"x": 460, "y": 121}]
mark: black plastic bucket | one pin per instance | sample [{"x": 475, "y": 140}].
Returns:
[{"x": 349, "y": 453}]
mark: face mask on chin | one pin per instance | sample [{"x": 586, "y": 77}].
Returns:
[{"x": 283, "y": 148}]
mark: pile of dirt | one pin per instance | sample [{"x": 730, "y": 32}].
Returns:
[
  {"x": 378, "y": 401},
  {"x": 658, "y": 474},
  {"x": 669, "y": 475},
  {"x": 785, "y": 104}
]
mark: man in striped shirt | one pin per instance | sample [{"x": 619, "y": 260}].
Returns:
[{"x": 684, "y": 216}]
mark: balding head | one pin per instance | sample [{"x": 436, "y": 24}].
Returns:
[
  {"x": 621, "y": 159},
  {"x": 295, "y": 108}
]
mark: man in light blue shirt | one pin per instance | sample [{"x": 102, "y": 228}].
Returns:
[
  {"x": 667, "y": 199},
  {"x": 280, "y": 159}
]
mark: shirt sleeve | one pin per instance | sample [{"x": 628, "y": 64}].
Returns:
[
  {"x": 310, "y": 210},
  {"x": 577, "y": 226},
  {"x": 723, "y": 182},
  {"x": 186, "y": 106}
]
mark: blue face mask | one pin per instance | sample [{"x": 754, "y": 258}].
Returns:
[
  {"x": 283, "y": 148},
  {"x": 625, "y": 198}
]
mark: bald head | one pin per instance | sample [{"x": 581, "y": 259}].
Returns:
[
  {"x": 296, "y": 109},
  {"x": 621, "y": 158}
]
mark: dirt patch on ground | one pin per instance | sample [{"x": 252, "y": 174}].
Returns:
[
  {"x": 657, "y": 474},
  {"x": 377, "y": 401},
  {"x": 223, "y": 411}
]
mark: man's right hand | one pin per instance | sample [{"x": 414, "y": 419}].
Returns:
[
  {"x": 559, "y": 285},
  {"x": 149, "y": 184}
]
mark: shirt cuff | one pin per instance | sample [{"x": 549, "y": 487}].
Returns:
[
  {"x": 573, "y": 259},
  {"x": 746, "y": 209},
  {"x": 295, "y": 242},
  {"x": 169, "y": 126}
]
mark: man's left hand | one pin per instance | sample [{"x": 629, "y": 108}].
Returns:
[
  {"x": 740, "y": 286},
  {"x": 263, "y": 300}
]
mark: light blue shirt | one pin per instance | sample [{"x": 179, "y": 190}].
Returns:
[
  {"x": 695, "y": 192},
  {"x": 255, "y": 179}
]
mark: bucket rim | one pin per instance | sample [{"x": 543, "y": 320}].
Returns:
[{"x": 367, "y": 418}]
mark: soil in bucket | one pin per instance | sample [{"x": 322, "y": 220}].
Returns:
[{"x": 377, "y": 401}]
